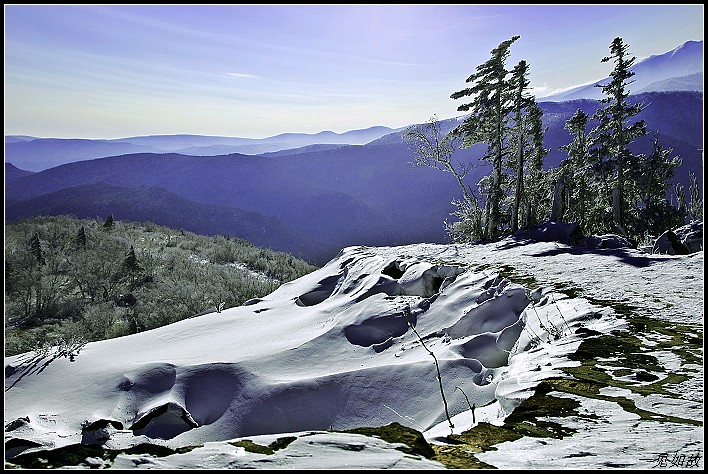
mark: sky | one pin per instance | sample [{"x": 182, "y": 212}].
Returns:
[
  {"x": 330, "y": 351},
  {"x": 255, "y": 71}
]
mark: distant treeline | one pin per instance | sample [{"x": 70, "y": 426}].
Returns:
[{"x": 69, "y": 278}]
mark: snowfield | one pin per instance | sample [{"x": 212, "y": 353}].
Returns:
[{"x": 606, "y": 344}]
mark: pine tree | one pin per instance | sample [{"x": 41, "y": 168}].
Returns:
[
  {"x": 575, "y": 170},
  {"x": 36, "y": 248},
  {"x": 525, "y": 118},
  {"x": 81, "y": 237},
  {"x": 132, "y": 266},
  {"x": 656, "y": 170},
  {"x": 612, "y": 136},
  {"x": 108, "y": 225},
  {"x": 695, "y": 208},
  {"x": 537, "y": 205},
  {"x": 131, "y": 262},
  {"x": 520, "y": 82},
  {"x": 488, "y": 123},
  {"x": 651, "y": 177}
]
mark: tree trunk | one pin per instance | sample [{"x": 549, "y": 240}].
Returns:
[
  {"x": 519, "y": 185},
  {"x": 557, "y": 208},
  {"x": 617, "y": 210}
]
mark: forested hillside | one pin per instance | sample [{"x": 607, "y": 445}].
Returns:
[{"x": 81, "y": 280}]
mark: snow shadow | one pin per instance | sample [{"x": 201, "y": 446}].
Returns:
[
  {"x": 322, "y": 291},
  {"x": 624, "y": 255},
  {"x": 172, "y": 402},
  {"x": 416, "y": 279},
  {"x": 379, "y": 330}
]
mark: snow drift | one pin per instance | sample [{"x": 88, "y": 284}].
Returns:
[
  {"x": 333, "y": 350},
  {"x": 349, "y": 346}
]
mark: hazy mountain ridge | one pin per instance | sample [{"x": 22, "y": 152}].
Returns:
[
  {"x": 154, "y": 204},
  {"x": 353, "y": 194},
  {"x": 37, "y": 154},
  {"x": 13, "y": 172},
  {"x": 311, "y": 192},
  {"x": 319, "y": 178},
  {"x": 678, "y": 70}
]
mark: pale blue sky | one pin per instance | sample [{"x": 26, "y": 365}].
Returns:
[{"x": 110, "y": 71}]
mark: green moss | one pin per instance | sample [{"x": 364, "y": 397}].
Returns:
[
  {"x": 625, "y": 348},
  {"x": 569, "y": 290},
  {"x": 146, "y": 448},
  {"x": 526, "y": 418},
  {"x": 71, "y": 455},
  {"x": 460, "y": 454},
  {"x": 458, "y": 457},
  {"x": 397, "y": 433},
  {"x": 76, "y": 454},
  {"x": 483, "y": 436},
  {"x": 511, "y": 274},
  {"x": 252, "y": 447},
  {"x": 281, "y": 443},
  {"x": 625, "y": 352},
  {"x": 186, "y": 449}
]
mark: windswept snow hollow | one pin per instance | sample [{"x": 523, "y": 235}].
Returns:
[{"x": 344, "y": 347}]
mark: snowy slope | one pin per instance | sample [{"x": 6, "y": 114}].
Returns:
[{"x": 336, "y": 350}]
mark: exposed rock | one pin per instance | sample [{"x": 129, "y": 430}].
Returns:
[
  {"x": 17, "y": 423},
  {"x": 99, "y": 431},
  {"x": 568, "y": 233},
  {"x": 669, "y": 243},
  {"x": 691, "y": 236},
  {"x": 606, "y": 241}
]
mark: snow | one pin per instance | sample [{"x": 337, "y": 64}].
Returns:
[
  {"x": 336, "y": 350},
  {"x": 319, "y": 450},
  {"x": 615, "y": 440}
]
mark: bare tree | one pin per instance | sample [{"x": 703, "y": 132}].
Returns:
[{"x": 434, "y": 149}]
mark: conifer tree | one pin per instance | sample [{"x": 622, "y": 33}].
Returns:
[
  {"x": 650, "y": 178},
  {"x": 131, "y": 266},
  {"x": 36, "y": 248},
  {"x": 575, "y": 170},
  {"x": 537, "y": 205},
  {"x": 695, "y": 208},
  {"x": 131, "y": 262},
  {"x": 81, "y": 237},
  {"x": 108, "y": 225},
  {"x": 613, "y": 135},
  {"x": 520, "y": 103},
  {"x": 488, "y": 123}
]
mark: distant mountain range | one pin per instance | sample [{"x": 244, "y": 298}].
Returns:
[
  {"x": 312, "y": 199},
  {"x": 679, "y": 69},
  {"x": 37, "y": 154},
  {"x": 325, "y": 199}
]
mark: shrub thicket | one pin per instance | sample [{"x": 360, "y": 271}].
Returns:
[{"x": 101, "y": 282}]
